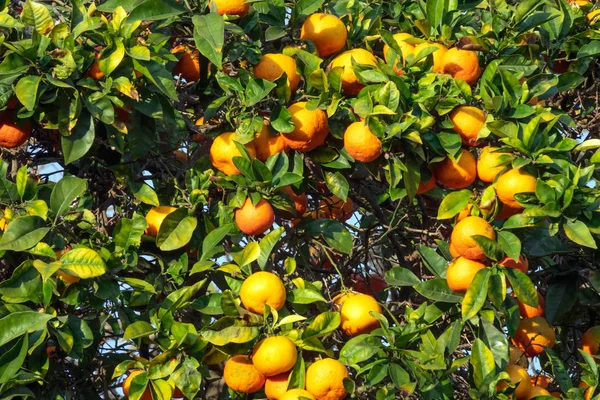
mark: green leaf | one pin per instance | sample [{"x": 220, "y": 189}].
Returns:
[
  {"x": 334, "y": 233},
  {"x": 158, "y": 75},
  {"x": 476, "y": 294},
  {"x": 399, "y": 276},
  {"x": 23, "y": 233},
  {"x": 176, "y": 230},
  {"x": 144, "y": 193},
  {"x": 256, "y": 90},
  {"x": 337, "y": 183},
  {"x": 267, "y": 244},
  {"x": 128, "y": 232},
  {"x": 359, "y": 349},
  {"x": 433, "y": 261},
  {"x": 578, "y": 232},
  {"x": 561, "y": 297},
  {"x": 65, "y": 192},
  {"x": 232, "y": 334},
  {"x": 19, "y": 323},
  {"x": 83, "y": 263},
  {"x": 438, "y": 290},
  {"x": 21, "y": 181},
  {"x": 323, "y": 324},
  {"x": 482, "y": 360},
  {"x": 138, "y": 329},
  {"x": 308, "y": 7},
  {"x": 249, "y": 254},
  {"x": 81, "y": 139},
  {"x": 38, "y": 16},
  {"x": 12, "y": 360},
  {"x": 209, "y": 35},
  {"x": 214, "y": 238},
  {"x": 522, "y": 286},
  {"x": 453, "y": 203},
  {"x": 559, "y": 371},
  {"x": 510, "y": 244},
  {"x": 496, "y": 341},
  {"x": 154, "y": 10},
  {"x": 490, "y": 247},
  {"x": 305, "y": 296},
  {"x": 27, "y": 90},
  {"x": 111, "y": 57}
]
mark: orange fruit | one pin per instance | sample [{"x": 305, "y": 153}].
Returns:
[
  {"x": 94, "y": 72},
  {"x": 326, "y": 31},
  {"x": 351, "y": 86},
  {"x": 457, "y": 175},
  {"x": 12, "y": 134},
  {"x": 223, "y": 150},
  {"x": 256, "y": 219},
  {"x": 462, "y": 239},
  {"x": 425, "y": 187},
  {"x": 310, "y": 128},
  {"x": 155, "y": 218},
  {"x": 241, "y": 375},
  {"x": 542, "y": 381},
  {"x": 513, "y": 182},
  {"x": 590, "y": 341},
  {"x": 528, "y": 311},
  {"x": 438, "y": 55},
  {"x": 522, "y": 265},
  {"x": 507, "y": 212},
  {"x": 356, "y": 319},
  {"x": 300, "y": 202},
  {"x": 272, "y": 66},
  {"x": 519, "y": 378},
  {"x": 464, "y": 213},
  {"x": 373, "y": 285},
  {"x": 487, "y": 164},
  {"x": 262, "y": 288},
  {"x": 276, "y": 386},
  {"x": 360, "y": 142},
  {"x": 267, "y": 145},
  {"x": 406, "y": 48},
  {"x": 516, "y": 356},
  {"x": 296, "y": 394},
  {"x": 324, "y": 379},
  {"x": 335, "y": 208},
  {"x": 147, "y": 395},
  {"x": 453, "y": 251},
  {"x": 558, "y": 395},
  {"x": 65, "y": 277},
  {"x": 188, "y": 65},
  {"x": 461, "y": 272},
  {"x": 534, "y": 333},
  {"x": 274, "y": 355},
  {"x": 462, "y": 64},
  {"x": 538, "y": 391},
  {"x": 468, "y": 121},
  {"x": 231, "y": 7},
  {"x": 3, "y": 224},
  {"x": 588, "y": 393}
]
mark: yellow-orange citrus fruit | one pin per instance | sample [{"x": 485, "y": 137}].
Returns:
[
  {"x": 360, "y": 142},
  {"x": 593, "y": 16},
  {"x": 542, "y": 381},
  {"x": 538, "y": 391},
  {"x": 231, "y": 7},
  {"x": 520, "y": 378},
  {"x": 528, "y": 311},
  {"x": 94, "y": 72},
  {"x": 356, "y": 319},
  {"x": 326, "y": 31},
  {"x": 310, "y": 128},
  {"x": 335, "y": 208},
  {"x": 457, "y": 175},
  {"x": 13, "y": 134},
  {"x": 276, "y": 386},
  {"x": 487, "y": 164},
  {"x": 406, "y": 48},
  {"x": 147, "y": 395},
  {"x": 241, "y": 375},
  {"x": 558, "y": 395},
  {"x": 513, "y": 182},
  {"x": 255, "y": 219},
  {"x": 425, "y": 187},
  {"x": 533, "y": 334},
  {"x": 272, "y": 66},
  {"x": 324, "y": 379},
  {"x": 274, "y": 355},
  {"x": 155, "y": 218},
  {"x": 438, "y": 55},
  {"x": 588, "y": 393},
  {"x": 464, "y": 213},
  {"x": 522, "y": 265},
  {"x": 188, "y": 65},
  {"x": 262, "y": 288},
  {"x": 462, "y": 237},
  {"x": 3, "y": 224},
  {"x": 507, "y": 212},
  {"x": 341, "y": 298},
  {"x": 223, "y": 150},
  {"x": 453, "y": 251},
  {"x": 297, "y": 394},
  {"x": 516, "y": 356},
  {"x": 350, "y": 83},
  {"x": 468, "y": 121},
  {"x": 300, "y": 202},
  {"x": 461, "y": 272},
  {"x": 267, "y": 145},
  {"x": 68, "y": 279},
  {"x": 462, "y": 64},
  {"x": 590, "y": 341}
]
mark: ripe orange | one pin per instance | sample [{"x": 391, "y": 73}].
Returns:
[
  {"x": 519, "y": 378},
  {"x": 155, "y": 218},
  {"x": 542, "y": 381},
  {"x": 507, "y": 212},
  {"x": 468, "y": 121},
  {"x": 300, "y": 202},
  {"x": 457, "y": 175},
  {"x": 274, "y": 355},
  {"x": 3, "y": 224},
  {"x": 462, "y": 237},
  {"x": 356, "y": 319},
  {"x": 324, "y": 379},
  {"x": 147, "y": 395},
  {"x": 267, "y": 145},
  {"x": 406, "y": 48},
  {"x": 276, "y": 386},
  {"x": 350, "y": 83},
  {"x": 262, "y": 288},
  {"x": 462, "y": 64},
  {"x": 453, "y": 251},
  {"x": 425, "y": 187},
  {"x": 588, "y": 393},
  {"x": 522, "y": 265},
  {"x": 223, "y": 150},
  {"x": 513, "y": 182},
  {"x": 438, "y": 55},
  {"x": 538, "y": 391},
  {"x": 272, "y": 66},
  {"x": 188, "y": 65},
  {"x": 231, "y": 7},
  {"x": 255, "y": 219},
  {"x": 464, "y": 213},
  {"x": 516, "y": 356},
  {"x": 310, "y": 128},
  {"x": 296, "y": 394},
  {"x": 529, "y": 311},
  {"x": 240, "y": 375},
  {"x": 326, "y": 31},
  {"x": 94, "y": 72},
  {"x": 461, "y": 272},
  {"x": 335, "y": 208},
  {"x": 590, "y": 341},
  {"x": 487, "y": 164},
  {"x": 13, "y": 134},
  {"x": 68, "y": 279},
  {"x": 360, "y": 142},
  {"x": 534, "y": 333}
]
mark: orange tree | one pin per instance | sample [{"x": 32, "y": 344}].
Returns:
[{"x": 299, "y": 200}]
